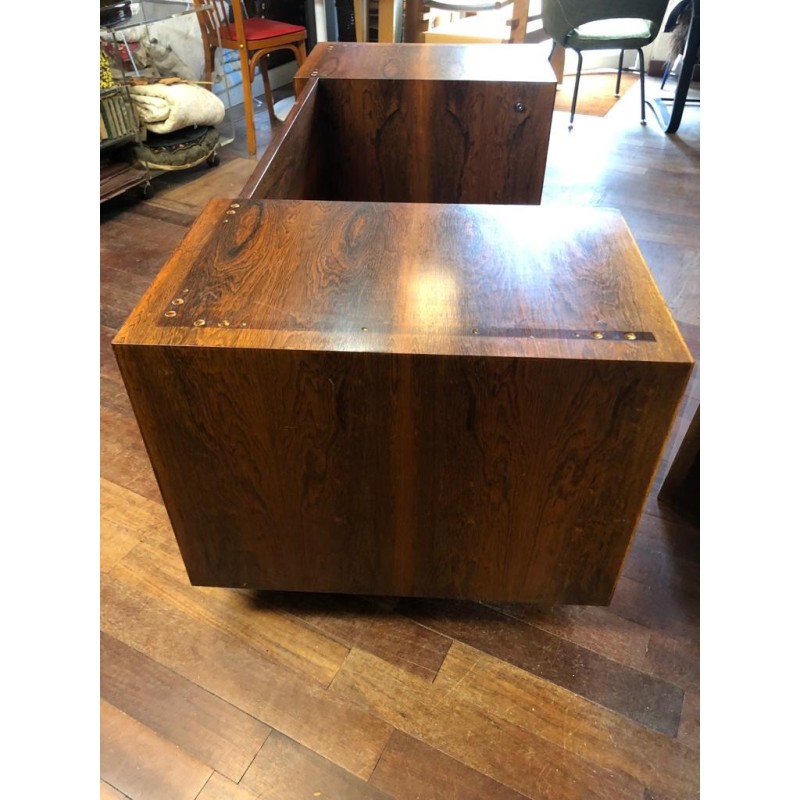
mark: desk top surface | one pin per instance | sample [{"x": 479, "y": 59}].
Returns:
[
  {"x": 425, "y": 62},
  {"x": 517, "y": 281}
]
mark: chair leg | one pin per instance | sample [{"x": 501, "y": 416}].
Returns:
[
  {"x": 575, "y": 91},
  {"x": 619, "y": 72},
  {"x": 263, "y": 67},
  {"x": 247, "y": 92},
  {"x": 209, "y": 63},
  {"x": 641, "y": 81},
  {"x": 667, "y": 70}
]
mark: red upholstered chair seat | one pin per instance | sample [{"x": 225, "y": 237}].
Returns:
[
  {"x": 259, "y": 38},
  {"x": 257, "y": 28}
]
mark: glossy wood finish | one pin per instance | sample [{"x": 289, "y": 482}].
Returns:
[
  {"x": 468, "y": 724},
  {"x": 493, "y": 63},
  {"x": 435, "y": 419},
  {"x": 414, "y": 123}
]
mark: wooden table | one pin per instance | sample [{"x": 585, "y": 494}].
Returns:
[
  {"x": 385, "y": 370},
  {"x": 405, "y": 399}
]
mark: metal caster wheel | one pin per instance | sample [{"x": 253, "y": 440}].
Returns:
[
  {"x": 147, "y": 191},
  {"x": 213, "y": 160}
]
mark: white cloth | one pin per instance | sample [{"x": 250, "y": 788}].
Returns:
[{"x": 164, "y": 108}]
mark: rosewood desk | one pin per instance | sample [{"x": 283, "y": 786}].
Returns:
[{"x": 341, "y": 391}]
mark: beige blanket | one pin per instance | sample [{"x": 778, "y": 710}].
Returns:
[{"x": 164, "y": 108}]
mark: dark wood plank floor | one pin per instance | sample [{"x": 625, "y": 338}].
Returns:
[{"x": 212, "y": 694}]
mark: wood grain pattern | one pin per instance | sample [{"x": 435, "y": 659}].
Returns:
[
  {"x": 285, "y": 769},
  {"x": 475, "y": 736},
  {"x": 220, "y": 788},
  {"x": 421, "y": 278},
  {"x": 356, "y": 621},
  {"x": 140, "y": 764},
  {"x": 277, "y": 635},
  {"x": 438, "y": 142},
  {"x": 689, "y": 731},
  {"x": 491, "y": 708},
  {"x": 413, "y": 124},
  {"x": 123, "y": 457},
  {"x": 411, "y": 142},
  {"x": 136, "y": 238},
  {"x": 295, "y": 524},
  {"x": 634, "y": 694},
  {"x": 591, "y": 627},
  {"x": 201, "y": 724},
  {"x": 239, "y": 674},
  {"x": 300, "y": 161},
  {"x": 410, "y": 769},
  {"x": 480, "y": 484},
  {"x": 489, "y": 63}
]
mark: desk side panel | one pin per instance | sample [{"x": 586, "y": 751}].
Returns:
[
  {"x": 499, "y": 479},
  {"x": 295, "y": 163}
]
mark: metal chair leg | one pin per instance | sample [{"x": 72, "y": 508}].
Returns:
[
  {"x": 641, "y": 81},
  {"x": 667, "y": 70},
  {"x": 575, "y": 92},
  {"x": 619, "y": 72}
]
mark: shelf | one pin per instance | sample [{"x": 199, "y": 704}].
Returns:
[
  {"x": 116, "y": 178},
  {"x": 107, "y": 144},
  {"x": 151, "y": 11}
]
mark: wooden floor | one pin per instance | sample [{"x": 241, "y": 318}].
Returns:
[{"x": 212, "y": 693}]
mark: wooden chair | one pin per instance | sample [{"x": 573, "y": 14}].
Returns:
[{"x": 255, "y": 38}]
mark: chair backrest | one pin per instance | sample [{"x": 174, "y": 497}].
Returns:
[
  {"x": 217, "y": 15},
  {"x": 561, "y": 17}
]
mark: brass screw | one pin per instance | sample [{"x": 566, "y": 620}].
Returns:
[
  {"x": 629, "y": 335},
  {"x": 229, "y": 213},
  {"x": 178, "y": 301},
  {"x": 171, "y": 314},
  {"x": 597, "y": 335},
  {"x": 198, "y": 323},
  {"x": 365, "y": 329},
  {"x": 225, "y": 324},
  {"x": 244, "y": 324},
  {"x": 234, "y": 205},
  {"x": 475, "y": 331}
]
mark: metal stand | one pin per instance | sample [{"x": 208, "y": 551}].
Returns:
[{"x": 671, "y": 121}]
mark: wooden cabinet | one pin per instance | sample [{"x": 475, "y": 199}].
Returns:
[
  {"x": 414, "y": 123},
  {"x": 442, "y": 399}
]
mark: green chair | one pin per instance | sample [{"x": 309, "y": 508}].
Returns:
[{"x": 604, "y": 25}]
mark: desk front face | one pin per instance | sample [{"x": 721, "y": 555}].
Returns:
[
  {"x": 436, "y": 124},
  {"x": 404, "y": 400}
]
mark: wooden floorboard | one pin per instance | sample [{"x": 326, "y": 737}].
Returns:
[{"x": 211, "y": 694}]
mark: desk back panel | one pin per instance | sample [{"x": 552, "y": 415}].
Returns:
[{"x": 377, "y": 132}]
